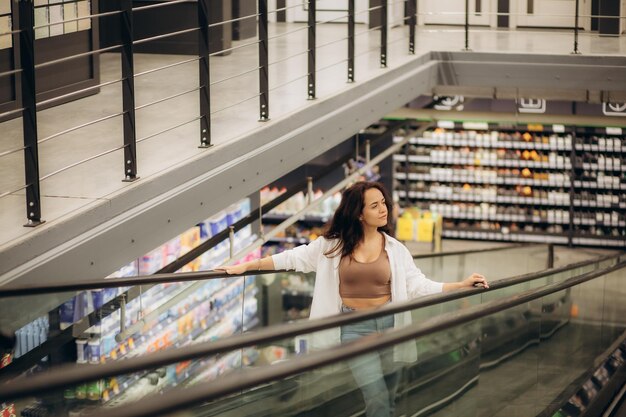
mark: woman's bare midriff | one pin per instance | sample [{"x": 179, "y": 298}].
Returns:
[{"x": 365, "y": 303}]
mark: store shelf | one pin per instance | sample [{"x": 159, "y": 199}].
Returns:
[
  {"x": 296, "y": 240},
  {"x": 600, "y": 167},
  {"x": 596, "y": 186},
  {"x": 313, "y": 218},
  {"x": 491, "y": 144},
  {"x": 504, "y": 218},
  {"x": 599, "y": 241},
  {"x": 596, "y": 204},
  {"x": 596, "y": 148},
  {"x": 514, "y": 237},
  {"x": 507, "y": 163},
  {"x": 479, "y": 199},
  {"x": 461, "y": 179}
]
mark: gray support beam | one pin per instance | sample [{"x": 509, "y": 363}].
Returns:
[{"x": 494, "y": 75}]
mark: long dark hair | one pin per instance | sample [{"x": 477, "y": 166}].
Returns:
[{"x": 346, "y": 226}]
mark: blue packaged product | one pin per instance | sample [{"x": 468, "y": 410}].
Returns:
[
  {"x": 19, "y": 343},
  {"x": 66, "y": 313},
  {"x": 109, "y": 294},
  {"x": 82, "y": 305},
  {"x": 205, "y": 231},
  {"x": 30, "y": 337},
  {"x": 98, "y": 298}
]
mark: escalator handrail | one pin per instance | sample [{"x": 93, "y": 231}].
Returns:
[
  {"x": 70, "y": 375},
  {"x": 180, "y": 398},
  {"x": 166, "y": 278}
]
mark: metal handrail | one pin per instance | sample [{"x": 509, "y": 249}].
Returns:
[
  {"x": 71, "y": 375},
  {"x": 180, "y": 398},
  {"x": 166, "y": 278}
]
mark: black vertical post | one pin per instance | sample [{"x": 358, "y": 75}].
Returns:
[
  {"x": 572, "y": 190},
  {"x": 29, "y": 113},
  {"x": 576, "y": 51},
  {"x": 350, "y": 41},
  {"x": 312, "y": 51},
  {"x": 466, "y": 26},
  {"x": 205, "y": 75},
  {"x": 263, "y": 62},
  {"x": 383, "y": 34},
  {"x": 128, "y": 91},
  {"x": 550, "y": 255},
  {"x": 412, "y": 12}
]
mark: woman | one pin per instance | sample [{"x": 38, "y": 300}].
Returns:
[{"x": 360, "y": 266}]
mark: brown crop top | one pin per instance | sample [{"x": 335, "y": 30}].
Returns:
[{"x": 365, "y": 280}]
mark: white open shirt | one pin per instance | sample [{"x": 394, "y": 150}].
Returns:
[{"x": 407, "y": 282}]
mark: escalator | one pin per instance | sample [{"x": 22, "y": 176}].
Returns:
[{"x": 508, "y": 351}]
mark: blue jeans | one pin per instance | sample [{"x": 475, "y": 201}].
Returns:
[{"x": 373, "y": 372}]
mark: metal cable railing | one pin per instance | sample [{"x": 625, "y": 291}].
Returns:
[
  {"x": 72, "y": 129},
  {"x": 168, "y": 129},
  {"x": 200, "y": 28},
  {"x": 239, "y": 19},
  {"x": 14, "y": 191},
  {"x": 91, "y": 158},
  {"x": 236, "y": 76},
  {"x": 173, "y": 96}
]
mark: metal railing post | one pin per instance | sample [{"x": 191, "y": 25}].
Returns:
[
  {"x": 263, "y": 63},
  {"x": 383, "y": 34},
  {"x": 205, "y": 76},
  {"x": 29, "y": 113},
  {"x": 312, "y": 52},
  {"x": 467, "y": 48},
  {"x": 576, "y": 51},
  {"x": 350, "y": 41},
  {"x": 412, "y": 12},
  {"x": 128, "y": 92}
]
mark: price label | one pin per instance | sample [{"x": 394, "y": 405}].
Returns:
[
  {"x": 535, "y": 128},
  {"x": 558, "y": 128},
  {"x": 475, "y": 126},
  {"x": 613, "y": 130},
  {"x": 445, "y": 124}
]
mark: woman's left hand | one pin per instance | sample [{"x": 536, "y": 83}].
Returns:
[{"x": 475, "y": 280}]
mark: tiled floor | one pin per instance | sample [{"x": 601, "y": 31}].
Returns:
[{"x": 94, "y": 153}]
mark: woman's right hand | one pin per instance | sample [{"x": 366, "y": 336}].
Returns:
[{"x": 232, "y": 269}]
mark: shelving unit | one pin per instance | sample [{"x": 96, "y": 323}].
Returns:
[
  {"x": 528, "y": 183},
  {"x": 599, "y": 169}
]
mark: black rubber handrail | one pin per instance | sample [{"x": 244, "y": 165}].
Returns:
[
  {"x": 181, "y": 398},
  {"x": 166, "y": 278},
  {"x": 70, "y": 375}
]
